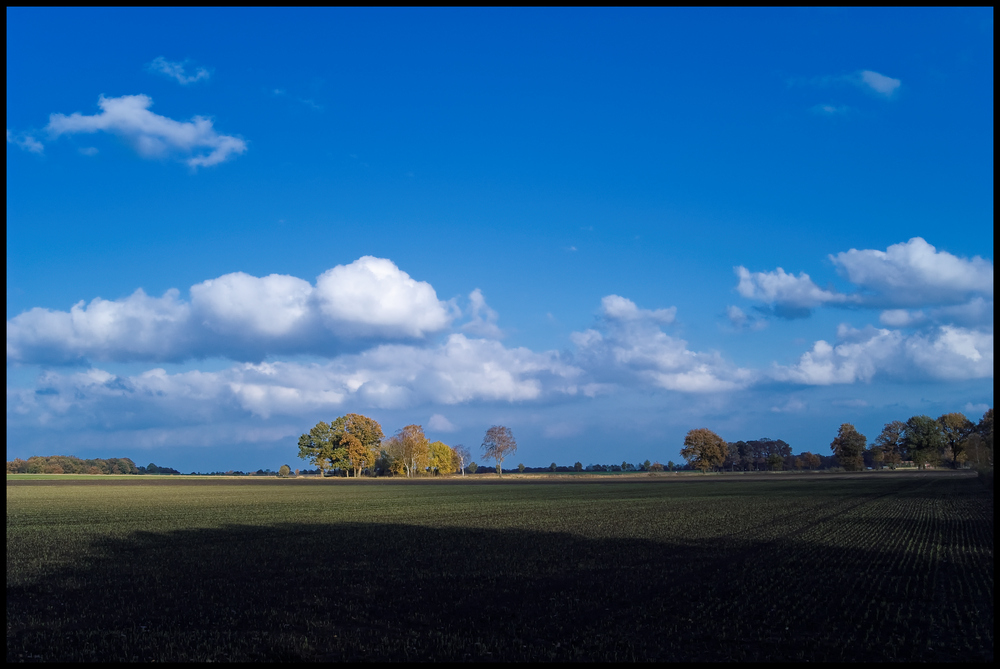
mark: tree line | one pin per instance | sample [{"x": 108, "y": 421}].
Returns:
[
  {"x": 70, "y": 464},
  {"x": 952, "y": 440},
  {"x": 355, "y": 445}
]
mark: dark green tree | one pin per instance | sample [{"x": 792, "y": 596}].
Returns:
[
  {"x": 984, "y": 439},
  {"x": 924, "y": 441},
  {"x": 849, "y": 447},
  {"x": 888, "y": 447},
  {"x": 322, "y": 448},
  {"x": 956, "y": 430}
]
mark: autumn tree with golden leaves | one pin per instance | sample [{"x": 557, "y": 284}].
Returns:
[
  {"x": 442, "y": 458},
  {"x": 408, "y": 450},
  {"x": 704, "y": 449},
  {"x": 360, "y": 436}
]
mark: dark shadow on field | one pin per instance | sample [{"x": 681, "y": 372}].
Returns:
[{"x": 401, "y": 592}]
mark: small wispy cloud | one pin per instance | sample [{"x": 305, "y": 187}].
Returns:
[
  {"x": 870, "y": 80},
  {"x": 483, "y": 322},
  {"x": 152, "y": 135},
  {"x": 26, "y": 142},
  {"x": 793, "y": 405},
  {"x": 831, "y": 110},
  {"x": 856, "y": 404},
  {"x": 741, "y": 321},
  {"x": 901, "y": 318},
  {"x": 736, "y": 315},
  {"x": 562, "y": 430},
  {"x": 879, "y": 83},
  {"x": 439, "y": 423},
  {"x": 974, "y": 410},
  {"x": 176, "y": 70},
  {"x": 308, "y": 102}
]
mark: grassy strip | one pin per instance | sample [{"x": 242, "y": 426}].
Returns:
[{"x": 834, "y": 568}]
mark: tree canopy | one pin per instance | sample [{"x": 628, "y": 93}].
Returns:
[
  {"x": 849, "y": 447},
  {"x": 498, "y": 444},
  {"x": 924, "y": 440},
  {"x": 408, "y": 450},
  {"x": 704, "y": 449},
  {"x": 442, "y": 458},
  {"x": 888, "y": 447},
  {"x": 956, "y": 430},
  {"x": 349, "y": 443},
  {"x": 361, "y": 437},
  {"x": 70, "y": 464},
  {"x": 462, "y": 457}
]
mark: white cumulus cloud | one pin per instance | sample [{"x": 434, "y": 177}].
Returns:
[
  {"x": 460, "y": 370},
  {"x": 915, "y": 273},
  {"x": 785, "y": 290},
  {"x": 946, "y": 353},
  {"x": 152, "y": 135},
  {"x": 136, "y": 327},
  {"x": 621, "y": 308},
  {"x": 372, "y": 297},
  {"x": 631, "y": 347},
  {"x": 912, "y": 282},
  {"x": 239, "y": 304},
  {"x": 237, "y": 316}
]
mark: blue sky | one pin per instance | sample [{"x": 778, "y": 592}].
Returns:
[{"x": 601, "y": 228}]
